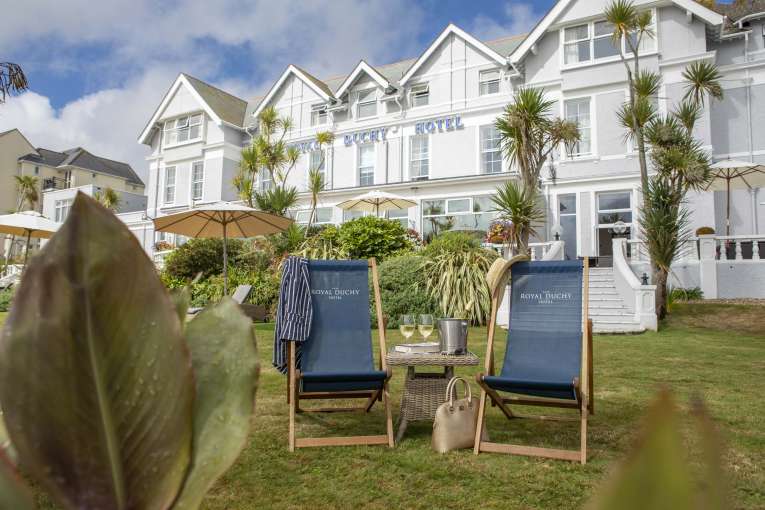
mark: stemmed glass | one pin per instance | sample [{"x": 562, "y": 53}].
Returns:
[
  {"x": 425, "y": 326},
  {"x": 407, "y": 325}
]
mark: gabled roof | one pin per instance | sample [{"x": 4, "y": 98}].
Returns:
[
  {"x": 16, "y": 130},
  {"x": 362, "y": 67},
  {"x": 707, "y": 15},
  {"x": 81, "y": 158},
  {"x": 316, "y": 85},
  {"x": 449, "y": 30},
  {"x": 221, "y": 106}
]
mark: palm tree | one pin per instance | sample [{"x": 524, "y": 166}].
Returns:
[
  {"x": 108, "y": 198},
  {"x": 632, "y": 26},
  {"x": 316, "y": 181},
  {"x": 520, "y": 206},
  {"x": 28, "y": 194},
  {"x": 244, "y": 180},
  {"x": 12, "y": 80},
  {"x": 529, "y": 134}
]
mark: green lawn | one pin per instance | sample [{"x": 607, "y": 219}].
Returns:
[{"x": 716, "y": 351}]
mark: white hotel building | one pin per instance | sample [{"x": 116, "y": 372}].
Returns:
[{"x": 423, "y": 128}]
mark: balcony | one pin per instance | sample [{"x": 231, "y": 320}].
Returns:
[{"x": 55, "y": 183}]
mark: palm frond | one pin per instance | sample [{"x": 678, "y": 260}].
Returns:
[
  {"x": 703, "y": 80},
  {"x": 688, "y": 113},
  {"x": 12, "y": 80}
]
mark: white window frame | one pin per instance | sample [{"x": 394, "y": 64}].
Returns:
[
  {"x": 588, "y": 128},
  {"x": 366, "y": 171},
  {"x": 447, "y": 212},
  {"x": 303, "y": 215},
  {"x": 486, "y": 83},
  {"x": 485, "y": 152},
  {"x": 182, "y": 123},
  {"x": 591, "y": 38},
  {"x": 194, "y": 181},
  {"x": 599, "y": 211},
  {"x": 265, "y": 182},
  {"x": 367, "y": 102},
  {"x": 419, "y": 92},
  {"x": 62, "y": 209},
  {"x": 169, "y": 186},
  {"x": 322, "y": 168},
  {"x": 319, "y": 111},
  {"x": 419, "y": 158}
]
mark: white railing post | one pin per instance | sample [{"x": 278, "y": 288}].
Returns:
[
  {"x": 708, "y": 265},
  {"x": 755, "y": 249},
  {"x": 739, "y": 254}
]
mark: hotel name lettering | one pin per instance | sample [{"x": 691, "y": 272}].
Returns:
[{"x": 431, "y": 126}]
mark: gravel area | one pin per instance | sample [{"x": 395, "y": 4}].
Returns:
[{"x": 741, "y": 301}]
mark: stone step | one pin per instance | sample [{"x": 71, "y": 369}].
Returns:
[
  {"x": 601, "y": 285},
  {"x": 616, "y": 329},
  {"x": 608, "y": 305},
  {"x": 601, "y": 296}
]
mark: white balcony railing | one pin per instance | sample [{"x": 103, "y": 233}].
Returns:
[{"x": 550, "y": 250}]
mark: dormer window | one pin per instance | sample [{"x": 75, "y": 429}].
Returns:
[
  {"x": 367, "y": 104},
  {"x": 183, "y": 129},
  {"x": 318, "y": 115},
  {"x": 488, "y": 82},
  {"x": 420, "y": 95}
]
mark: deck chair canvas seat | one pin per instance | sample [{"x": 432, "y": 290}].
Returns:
[
  {"x": 337, "y": 361},
  {"x": 548, "y": 344}
]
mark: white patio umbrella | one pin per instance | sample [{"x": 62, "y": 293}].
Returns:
[
  {"x": 222, "y": 220},
  {"x": 28, "y": 224},
  {"x": 730, "y": 173},
  {"x": 376, "y": 201}
]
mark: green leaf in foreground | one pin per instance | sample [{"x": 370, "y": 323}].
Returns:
[
  {"x": 95, "y": 378},
  {"x": 225, "y": 364},
  {"x": 13, "y": 493}
]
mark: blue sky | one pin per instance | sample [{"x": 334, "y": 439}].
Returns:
[{"x": 97, "y": 70}]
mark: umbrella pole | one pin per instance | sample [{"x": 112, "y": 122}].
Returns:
[
  {"x": 727, "y": 207},
  {"x": 225, "y": 261},
  {"x": 26, "y": 253}
]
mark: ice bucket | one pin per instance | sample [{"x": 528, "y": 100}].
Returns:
[{"x": 453, "y": 334}]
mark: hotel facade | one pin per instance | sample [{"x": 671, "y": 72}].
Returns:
[{"x": 423, "y": 128}]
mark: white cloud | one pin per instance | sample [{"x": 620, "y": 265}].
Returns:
[
  {"x": 141, "y": 46},
  {"x": 519, "y": 18}
]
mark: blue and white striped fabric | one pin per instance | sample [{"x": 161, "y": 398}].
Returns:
[{"x": 294, "y": 313}]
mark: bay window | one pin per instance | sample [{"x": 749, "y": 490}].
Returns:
[
  {"x": 197, "y": 180},
  {"x": 366, "y": 164},
  {"x": 491, "y": 155},
  {"x": 419, "y": 157},
  {"x": 420, "y": 95},
  {"x": 593, "y": 41},
  {"x": 488, "y": 82},
  {"x": 62, "y": 208},
  {"x": 183, "y": 129},
  {"x": 169, "y": 193},
  {"x": 578, "y": 112},
  {"x": 367, "y": 104},
  {"x": 463, "y": 213}
]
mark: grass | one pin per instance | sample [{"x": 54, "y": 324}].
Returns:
[{"x": 714, "y": 351}]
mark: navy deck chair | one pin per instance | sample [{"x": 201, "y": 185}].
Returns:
[
  {"x": 336, "y": 361},
  {"x": 548, "y": 359}
]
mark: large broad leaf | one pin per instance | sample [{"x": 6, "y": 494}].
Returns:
[
  {"x": 95, "y": 378},
  {"x": 225, "y": 364},
  {"x": 14, "y": 495}
]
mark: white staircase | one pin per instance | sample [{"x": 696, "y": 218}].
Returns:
[{"x": 607, "y": 309}]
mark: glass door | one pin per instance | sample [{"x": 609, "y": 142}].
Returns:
[
  {"x": 614, "y": 221},
  {"x": 567, "y": 223}
]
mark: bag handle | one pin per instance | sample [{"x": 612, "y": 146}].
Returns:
[{"x": 451, "y": 389}]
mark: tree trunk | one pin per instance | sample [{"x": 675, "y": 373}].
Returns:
[{"x": 660, "y": 280}]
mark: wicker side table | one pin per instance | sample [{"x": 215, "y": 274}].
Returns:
[{"x": 425, "y": 391}]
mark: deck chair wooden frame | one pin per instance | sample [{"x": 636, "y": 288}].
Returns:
[
  {"x": 584, "y": 403},
  {"x": 370, "y": 396}
]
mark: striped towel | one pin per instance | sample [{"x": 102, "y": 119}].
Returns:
[{"x": 294, "y": 313}]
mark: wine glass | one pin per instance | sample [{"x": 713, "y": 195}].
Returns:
[
  {"x": 407, "y": 325},
  {"x": 425, "y": 326}
]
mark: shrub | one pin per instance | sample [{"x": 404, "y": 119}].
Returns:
[
  {"x": 454, "y": 241},
  {"x": 370, "y": 236},
  {"x": 6, "y": 297},
  {"x": 704, "y": 231},
  {"x": 457, "y": 279},
  {"x": 201, "y": 256},
  {"x": 694, "y": 294},
  {"x": 403, "y": 289},
  {"x": 325, "y": 245},
  {"x": 265, "y": 287}
]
